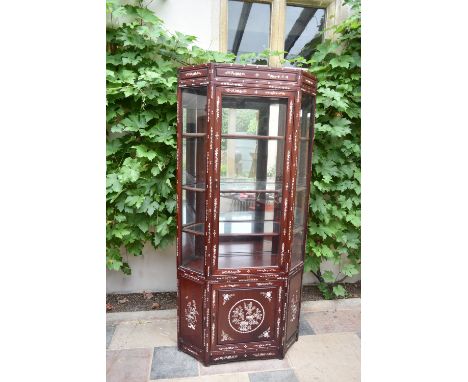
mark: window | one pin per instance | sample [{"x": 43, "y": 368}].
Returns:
[
  {"x": 248, "y": 27},
  {"x": 303, "y": 27},
  {"x": 251, "y": 26}
]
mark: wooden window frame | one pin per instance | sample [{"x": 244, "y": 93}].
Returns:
[{"x": 277, "y": 22}]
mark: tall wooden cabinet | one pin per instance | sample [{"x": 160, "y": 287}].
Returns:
[{"x": 244, "y": 149}]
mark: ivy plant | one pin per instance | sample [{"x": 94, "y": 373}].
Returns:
[
  {"x": 335, "y": 194},
  {"x": 141, "y": 76},
  {"x": 142, "y": 62}
]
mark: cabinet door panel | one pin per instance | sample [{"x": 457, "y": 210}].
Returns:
[{"x": 248, "y": 315}]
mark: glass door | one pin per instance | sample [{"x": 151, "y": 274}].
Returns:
[
  {"x": 252, "y": 146},
  {"x": 304, "y": 153},
  {"x": 193, "y": 176}
]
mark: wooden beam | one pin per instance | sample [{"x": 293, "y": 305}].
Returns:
[
  {"x": 298, "y": 27},
  {"x": 244, "y": 16}
]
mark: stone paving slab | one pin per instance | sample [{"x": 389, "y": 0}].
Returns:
[
  {"x": 334, "y": 322},
  {"x": 331, "y": 305},
  {"x": 169, "y": 362},
  {"x": 245, "y": 366},
  {"x": 142, "y": 334},
  {"x": 109, "y": 334},
  {"x": 331, "y": 357},
  {"x": 304, "y": 327},
  {"x": 237, "y": 377},
  {"x": 141, "y": 315},
  {"x": 129, "y": 365},
  {"x": 142, "y": 346},
  {"x": 274, "y": 376}
]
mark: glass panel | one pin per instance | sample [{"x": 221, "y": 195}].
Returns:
[
  {"x": 304, "y": 152},
  {"x": 194, "y": 110},
  {"x": 251, "y": 173},
  {"x": 248, "y": 27},
  {"x": 299, "y": 208},
  {"x": 254, "y": 116},
  {"x": 243, "y": 206},
  {"x": 303, "y": 27},
  {"x": 248, "y": 227},
  {"x": 304, "y": 140},
  {"x": 194, "y": 126},
  {"x": 246, "y": 252},
  {"x": 193, "y": 162},
  {"x": 192, "y": 251},
  {"x": 193, "y": 207},
  {"x": 258, "y": 161},
  {"x": 296, "y": 246}
]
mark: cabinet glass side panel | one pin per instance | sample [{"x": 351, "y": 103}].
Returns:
[
  {"x": 303, "y": 156},
  {"x": 194, "y": 126},
  {"x": 251, "y": 177}
]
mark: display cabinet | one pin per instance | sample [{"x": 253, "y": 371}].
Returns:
[{"x": 244, "y": 153}]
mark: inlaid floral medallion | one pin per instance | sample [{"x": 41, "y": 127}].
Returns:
[{"x": 246, "y": 315}]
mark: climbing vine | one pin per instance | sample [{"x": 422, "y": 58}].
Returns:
[
  {"x": 142, "y": 62},
  {"x": 335, "y": 195},
  {"x": 141, "y": 76}
]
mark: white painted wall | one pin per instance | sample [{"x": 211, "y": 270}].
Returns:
[
  {"x": 156, "y": 270},
  {"x": 198, "y": 18}
]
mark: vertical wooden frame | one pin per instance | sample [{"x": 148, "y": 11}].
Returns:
[{"x": 203, "y": 288}]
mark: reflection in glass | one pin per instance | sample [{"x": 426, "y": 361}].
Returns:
[
  {"x": 193, "y": 161},
  {"x": 252, "y": 160},
  {"x": 194, "y": 110},
  {"x": 303, "y": 27},
  {"x": 254, "y": 116},
  {"x": 304, "y": 139},
  {"x": 193, "y": 207},
  {"x": 192, "y": 251},
  {"x": 194, "y": 121},
  {"x": 248, "y": 27},
  {"x": 243, "y": 206},
  {"x": 251, "y": 174},
  {"x": 248, "y": 252},
  {"x": 303, "y": 169}
]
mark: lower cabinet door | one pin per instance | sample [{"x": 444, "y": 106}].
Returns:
[{"x": 246, "y": 316}]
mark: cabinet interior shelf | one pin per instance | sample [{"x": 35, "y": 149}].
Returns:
[
  {"x": 238, "y": 228},
  {"x": 231, "y": 186},
  {"x": 251, "y": 136}
]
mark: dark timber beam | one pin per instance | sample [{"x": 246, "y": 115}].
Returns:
[
  {"x": 244, "y": 16},
  {"x": 298, "y": 27}
]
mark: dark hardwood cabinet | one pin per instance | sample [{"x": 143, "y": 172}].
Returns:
[{"x": 244, "y": 153}]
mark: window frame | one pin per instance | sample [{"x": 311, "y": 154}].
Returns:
[{"x": 277, "y": 22}]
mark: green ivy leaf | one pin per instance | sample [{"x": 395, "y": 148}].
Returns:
[{"x": 339, "y": 291}]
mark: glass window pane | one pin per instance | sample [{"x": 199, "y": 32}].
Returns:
[
  {"x": 303, "y": 27},
  {"x": 257, "y": 161},
  {"x": 248, "y": 27},
  {"x": 247, "y": 252},
  {"x": 194, "y": 121},
  {"x": 296, "y": 247},
  {"x": 254, "y": 116},
  {"x": 192, "y": 251},
  {"x": 249, "y": 206},
  {"x": 304, "y": 140},
  {"x": 300, "y": 207},
  {"x": 304, "y": 152},
  {"x": 194, "y": 110},
  {"x": 193, "y": 207},
  {"x": 193, "y": 161}
]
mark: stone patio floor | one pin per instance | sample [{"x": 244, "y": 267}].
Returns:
[{"x": 142, "y": 346}]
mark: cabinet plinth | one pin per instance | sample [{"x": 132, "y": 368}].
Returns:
[{"x": 244, "y": 152}]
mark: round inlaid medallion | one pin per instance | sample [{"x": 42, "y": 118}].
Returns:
[{"x": 246, "y": 315}]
